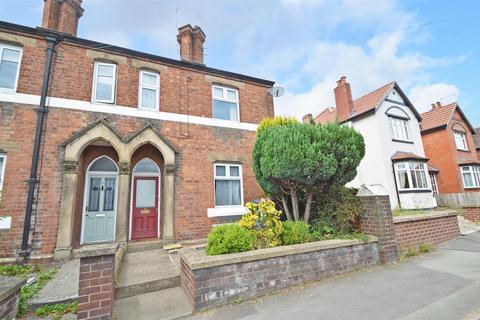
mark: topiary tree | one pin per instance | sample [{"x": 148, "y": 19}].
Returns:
[{"x": 291, "y": 157}]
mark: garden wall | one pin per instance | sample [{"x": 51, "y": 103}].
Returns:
[
  {"x": 216, "y": 280},
  {"x": 472, "y": 213},
  {"x": 434, "y": 228},
  {"x": 9, "y": 296}
]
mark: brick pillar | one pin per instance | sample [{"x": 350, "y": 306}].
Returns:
[
  {"x": 9, "y": 296},
  {"x": 97, "y": 281},
  {"x": 376, "y": 219}
]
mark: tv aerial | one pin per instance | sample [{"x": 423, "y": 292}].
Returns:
[{"x": 276, "y": 91}]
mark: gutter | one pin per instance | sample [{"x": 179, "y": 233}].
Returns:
[{"x": 41, "y": 112}]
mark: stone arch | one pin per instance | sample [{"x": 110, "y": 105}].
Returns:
[{"x": 150, "y": 135}]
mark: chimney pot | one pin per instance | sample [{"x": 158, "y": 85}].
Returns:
[
  {"x": 434, "y": 106},
  {"x": 191, "y": 42},
  {"x": 439, "y": 104},
  {"x": 62, "y": 15}
]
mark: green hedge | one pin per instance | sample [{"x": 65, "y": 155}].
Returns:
[
  {"x": 229, "y": 238},
  {"x": 295, "y": 232}
]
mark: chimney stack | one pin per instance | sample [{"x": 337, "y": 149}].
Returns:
[
  {"x": 307, "y": 118},
  {"x": 191, "y": 40},
  {"x": 343, "y": 99},
  {"x": 62, "y": 15}
]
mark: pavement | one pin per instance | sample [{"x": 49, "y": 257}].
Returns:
[{"x": 442, "y": 285}]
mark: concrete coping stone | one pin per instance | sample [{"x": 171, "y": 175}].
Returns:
[
  {"x": 471, "y": 206},
  {"x": 8, "y": 285},
  {"x": 424, "y": 216},
  {"x": 97, "y": 250},
  {"x": 198, "y": 259}
]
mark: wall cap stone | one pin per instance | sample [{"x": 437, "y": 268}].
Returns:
[
  {"x": 372, "y": 190},
  {"x": 421, "y": 216},
  {"x": 198, "y": 259},
  {"x": 8, "y": 285},
  {"x": 97, "y": 250}
]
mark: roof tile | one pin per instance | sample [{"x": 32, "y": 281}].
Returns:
[{"x": 437, "y": 117}]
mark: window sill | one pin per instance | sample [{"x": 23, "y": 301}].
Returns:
[
  {"x": 463, "y": 150},
  {"x": 227, "y": 211},
  {"x": 402, "y": 141},
  {"x": 7, "y": 90},
  {"x": 469, "y": 188},
  {"x": 415, "y": 191}
]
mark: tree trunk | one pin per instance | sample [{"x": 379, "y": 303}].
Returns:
[
  {"x": 296, "y": 214},
  {"x": 308, "y": 206},
  {"x": 285, "y": 207}
]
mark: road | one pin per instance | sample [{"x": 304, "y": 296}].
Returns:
[{"x": 442, "y": 285}]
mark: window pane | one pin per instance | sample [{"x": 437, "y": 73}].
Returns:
[
  {"x": 1, "y": 171},
  {"x": 103, "y": 164},
  {"x": 145, "y": 194},
  {"x": 146, "y": 166},
  {"x": 232, "y": 94},
  {"x": 403, "y": 180},
  {"x": 149, "y": 98},
  {"x": 11, "y": 55},
  {"x": 234, "y": 171},
  {"x": 109, "y": 194},
  {"x": 8, "y": 74},
  {"x": 94, "y": 194},
  {"x": 104, "y": 70},
  {"x": 217, "y": 92},
  {"x": 227, "y": 193},
  {"x": 104, "y": 88},
  {"x": 224, "y": 110},
  {"x": 468, "y": 180},
  {"x": 220, "y": 171},
  {"x": 149, "y": 79}
]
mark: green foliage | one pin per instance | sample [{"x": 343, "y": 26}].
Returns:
[
  {"x": 264, "y": 223},
  {"x": 339, "y": 207},
  {"x": 293, "y": 156},
  {"x": 322, "y": 230},
  {"x": 425, "y": 247},
  {"x": 29, "y": 291},
  {"x": 229, "y": 238},
  {"x": 56, "y": 311},
  {"x": 295, "y": 232},
  {"x": 16, "y": 271},
  {"x": 280, "y": 121}
]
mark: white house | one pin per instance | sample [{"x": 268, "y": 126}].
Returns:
[{"x": 394, "y": 155}]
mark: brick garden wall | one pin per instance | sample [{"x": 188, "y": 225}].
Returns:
[
  {"x": 411, "y": 231},
  {"x": 9, "y": 297},
  {"x": 472, "y": 213},
  {"x": 263, "y": 271}
]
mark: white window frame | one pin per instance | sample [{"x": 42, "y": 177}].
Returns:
[
  {"x": 16, "y": 48},
  {"x": 399, "y": 128},
  {"x": 156, "y": 88},
  {"x": 474, "y": 171},
  {"x": 408, "y": 168},
  {"x": 433, "y": 182},
  {"x": 2, "y": 172},
  {"x": 225, "y": 99},
  {"x": 463, "y": 140},
  {"x": 228, "y": 177},
  {"x": 95, "y": 76}
]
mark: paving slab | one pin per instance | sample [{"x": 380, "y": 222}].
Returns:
[
  {"x": 63, "y": 288},
  {"x": 166, "y": 304}
]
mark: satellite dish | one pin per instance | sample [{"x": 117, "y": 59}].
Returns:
[{"x": 276, "y": 91}]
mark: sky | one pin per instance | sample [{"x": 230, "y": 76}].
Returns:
[{"x": 431, "y": 48}]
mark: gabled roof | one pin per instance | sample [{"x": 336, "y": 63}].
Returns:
[
  {"x": 368, "y": 103},
  {"x": 439, "y": 118},
  {"x": 400, "y": 155}
]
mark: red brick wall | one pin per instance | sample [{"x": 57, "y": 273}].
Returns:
[
  {"x": 472, "y": 213},
  {"x": 442, "y": 151},
  {"x": 417, "y": 231}
]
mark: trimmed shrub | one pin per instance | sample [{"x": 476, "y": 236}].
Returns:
[
  {"x": 229, "y": 238},
  {"x": 264, "y": 223},
  {"x": 295, "y": 232}
]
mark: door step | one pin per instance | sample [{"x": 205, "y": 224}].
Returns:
[
  {"x": 144, "y": 245},
  {"x": 147, "y": 271},
  {"x": 168, "y": 304}
]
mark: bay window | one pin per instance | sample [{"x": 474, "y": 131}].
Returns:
[
  {"x": 149, "y": 90},
  {"x": 411, "y": 176},
  {"x": 225, "y": 103},
  {"x": 9, "y": 66},
  {"x": 471, "y": 176},
  {"x": 104, "y": 82},
  {"x": 228, "y": 185}
]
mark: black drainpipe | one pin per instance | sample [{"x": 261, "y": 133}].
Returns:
[
  {"x": 396, "y": 186},
  {"x": 42, "y": 110}
]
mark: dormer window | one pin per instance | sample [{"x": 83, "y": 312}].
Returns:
[
  {"x": 461, "y": 141},
  {"x": 225, "y": 103}
]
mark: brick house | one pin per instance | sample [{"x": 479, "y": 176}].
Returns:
[
  {"x": 394, "y": 156},
  {"x": 130, "y": 145},
  {"x": 476, "y": 139},
  {"x": 448, "y": 141}
]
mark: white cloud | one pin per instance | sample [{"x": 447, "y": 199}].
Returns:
[{"x": 422, "y": 96}]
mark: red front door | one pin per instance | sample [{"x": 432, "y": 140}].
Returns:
[{"x": 145, "y": 207}]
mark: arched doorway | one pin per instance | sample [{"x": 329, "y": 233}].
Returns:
[
  {"x": 145, "y": 203},
  {"x": 100, "y": 201}
]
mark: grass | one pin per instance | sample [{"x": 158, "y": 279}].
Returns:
[
  {"x": 401, "y": 212},
  {"x": 42, "y": 276},
  {"x": 414, "y": 251},
  {"x": 56, "y": 311},
  {"x": 18, "y": 271}
]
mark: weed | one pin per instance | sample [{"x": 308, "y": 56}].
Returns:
[
  {"x": 57, "y": 310},
  {"x": 425, "y": 247},
  {"x": 29, "y": 291}
]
